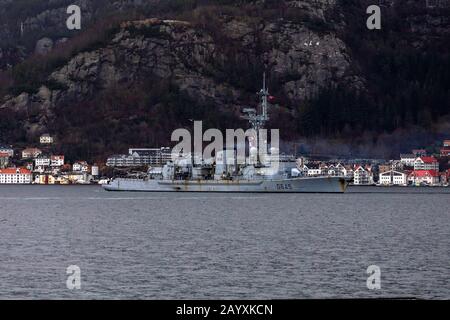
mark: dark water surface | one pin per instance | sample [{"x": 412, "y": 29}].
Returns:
[{"x": 202, "y": 246}]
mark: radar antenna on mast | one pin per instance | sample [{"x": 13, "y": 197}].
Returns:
[{"x": 258, "y": 120}]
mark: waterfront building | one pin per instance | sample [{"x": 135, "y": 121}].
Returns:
[
  {"x": 80, "y": 166},
  {"x": 349, "y": 172},
  {"x": 426, "y": 163},
  {"x": 141, "y": 157},
  {"x": 31, "y": 153},
  {"x": 123, "y": 160},
  {"x": 363, "y": 176},
  {"x": 95, "y": 171},
  {"x": 385, "y": 167},
  {"x": 312, "y": 170},
  {"x": 332, "y": 171},
  {"x": 424, "y": 177},
  {"x": 338, "y": 170},
  {"x": 408, "y": 159},
  {"x": 153, "y": 157},
  {"x": 15, "y": 176},
  {"x": 57, "y": 161},
  {"x": 70, "y": 178},
  {"x": 44, "y": 178},
  {"x": 393, "y": 177},
  {"x": 78, "y": 178},
  {"x": 341, "y": 170},
  {"x": 42, "y": 160}
]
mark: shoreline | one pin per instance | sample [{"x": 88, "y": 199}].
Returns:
[{"x": 350, "y": 186}]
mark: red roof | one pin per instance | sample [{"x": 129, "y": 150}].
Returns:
[
  {"x": 15, "y": 171},
  {"x": 425, "y": 173},
  {"x": 429, "y": 159}
]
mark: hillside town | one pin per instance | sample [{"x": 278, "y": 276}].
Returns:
[
  {"x": 38, "y": 165},
  {"x": 35, "y": 165},
  {"x": 414, "y": 169}
]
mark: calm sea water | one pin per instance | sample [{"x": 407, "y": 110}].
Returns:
[{"x": 213, "y": 246}]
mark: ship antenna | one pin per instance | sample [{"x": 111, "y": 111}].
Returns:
[
  {"x": 258, "y": 120},
  {"x": 264, "y": 94}
]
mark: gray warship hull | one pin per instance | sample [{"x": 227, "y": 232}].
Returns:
[{"x": 294, "y": 185}]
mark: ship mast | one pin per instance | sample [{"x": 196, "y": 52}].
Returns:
[{"x": 258, "y": 120}]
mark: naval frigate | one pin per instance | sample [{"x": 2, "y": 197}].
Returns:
[{"x": 225, "y": 175}]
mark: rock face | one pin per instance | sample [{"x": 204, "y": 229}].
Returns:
[
  {"x": 48, "y": 17},
  {"x": 303, "y": 60},
  {"x": 44, "y": 46}
]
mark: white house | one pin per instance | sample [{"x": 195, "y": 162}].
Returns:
[
  {"x": 31, "y": 153},
  {"x": 80, "y": 166},
  {"x": 332, "y": 171},
  {"x": 362, "y": 176},
  {"x": 426, "y": 163},
  {"x": 312, "y": 171},
  {"x": 42, "y": 161},
  {"x": 340, "y": 170},
  {"x": 46, "y": 139},
  {"x": 392, "y": 177},
  {"x": 57, "y": 161},
  {"x": 348, "y": 171},
  {"x": 15, "y": 176},
  {"x": 408, "y": 159},
  {"x": 427, "y": 177}
]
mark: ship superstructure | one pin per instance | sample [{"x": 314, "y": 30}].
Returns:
[{"x": 227, "y": 172}]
